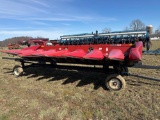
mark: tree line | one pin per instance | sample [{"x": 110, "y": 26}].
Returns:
[
  {"x": 5, "y": 42},
  {"x": 136, "y": 25}
]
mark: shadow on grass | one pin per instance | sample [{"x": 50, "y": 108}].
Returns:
[
  {"x": 68, "y": 77},
  {"x": 139, "y": 82},
  {"x": 9, "y": 70},
  {"x": 147, "y": 67},
  {"x": 145, "y": 77}
]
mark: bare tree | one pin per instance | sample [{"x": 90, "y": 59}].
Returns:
[
  {"x": 106, "y": 30},
  {"x": 157, "y": 32},
  {"x": 126, "y": 28},
  {"x": 137, "y": 25}
]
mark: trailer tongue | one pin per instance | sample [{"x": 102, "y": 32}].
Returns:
[{"x": 120, "y": 49}]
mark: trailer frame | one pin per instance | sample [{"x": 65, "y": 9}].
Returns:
[{"x": 113, "y": 82}]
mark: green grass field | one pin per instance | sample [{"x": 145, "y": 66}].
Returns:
[{"x": 45, "y": 94}]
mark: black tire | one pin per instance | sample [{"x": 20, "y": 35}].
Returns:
[
  {"x": 115, "y": 82},
  {"x": 17, "y": 70}
]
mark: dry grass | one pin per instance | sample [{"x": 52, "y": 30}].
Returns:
[
  {"x": 70, "y": 95},
  {"x": 155, "y": 44}
]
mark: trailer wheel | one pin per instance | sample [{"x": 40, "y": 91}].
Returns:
[
  {"x": 17, "y": 70},
  {"x": 115, "y": 82}
]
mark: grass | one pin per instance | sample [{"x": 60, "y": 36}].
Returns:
[
  {"x": 70, "y": 95},
  {"x": 155, "y": 44}
]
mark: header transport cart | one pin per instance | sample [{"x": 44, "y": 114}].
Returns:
[{"x": 114, "y": 51}]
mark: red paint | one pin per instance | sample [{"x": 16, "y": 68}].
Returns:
[
  {"x": 99, "y": 51},
  {"x": 136, "y": 53},
  {"x": 116, "y": 54},
  {"x": 57, "y": 54},
  {"x": 44, "y": 53},
  {"x": 94, "y": 55},
  {"x": 79, "y": 53},
  {"x": 24, "y": 50},
  {"x": 29, "y": 52}
]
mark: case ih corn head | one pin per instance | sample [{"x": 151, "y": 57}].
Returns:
[{"x": 115, "y": 52}]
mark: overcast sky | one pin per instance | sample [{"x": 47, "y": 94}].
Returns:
[{"x": 52, "y": 18}]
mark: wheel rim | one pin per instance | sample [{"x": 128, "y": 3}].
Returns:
[
  {"x": 18, "y": 71},
  {"x": 115, "y": 84}
]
